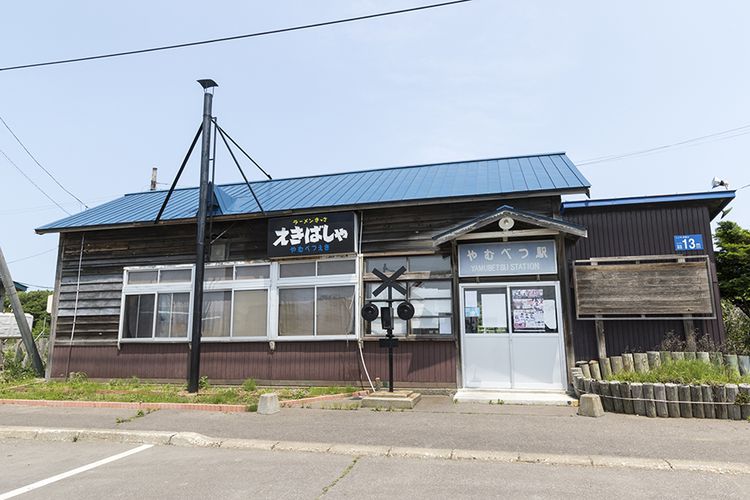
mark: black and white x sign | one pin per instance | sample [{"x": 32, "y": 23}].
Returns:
[{"x": 389, "y": 281}]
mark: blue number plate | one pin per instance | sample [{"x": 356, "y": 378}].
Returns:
[{"x": 684, "y": 242}]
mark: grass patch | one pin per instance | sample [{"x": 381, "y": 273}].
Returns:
[
  {"x": 133, "y": 390},
  {"x": 685, "y": 372}
]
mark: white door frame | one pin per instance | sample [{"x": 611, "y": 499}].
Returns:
[{"x": 508, "y": 284}]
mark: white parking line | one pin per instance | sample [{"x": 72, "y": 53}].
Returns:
[{"x": 84, "y": 468}]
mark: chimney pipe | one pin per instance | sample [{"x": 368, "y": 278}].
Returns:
[{"x": 153, "y": 178}]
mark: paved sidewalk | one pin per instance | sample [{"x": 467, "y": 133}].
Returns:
[{"x": 435, "y": 423}]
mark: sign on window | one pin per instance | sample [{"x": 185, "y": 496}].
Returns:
[
  {"x": 507, "y": 259},
  {"x": 318, "y": 234}
]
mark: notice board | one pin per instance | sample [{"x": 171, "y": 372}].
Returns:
[{"x": 668, "y": 287}]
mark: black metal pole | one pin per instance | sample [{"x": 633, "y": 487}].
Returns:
[
  {"x": 200, "y": 246},
  {"x": 390, "y": 344}
]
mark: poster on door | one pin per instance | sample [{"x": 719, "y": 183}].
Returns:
[{"x": 528, "y": 309}]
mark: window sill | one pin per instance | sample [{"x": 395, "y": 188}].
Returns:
[{"x": 439, "y": 338}]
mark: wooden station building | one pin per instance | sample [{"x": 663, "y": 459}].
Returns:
[{"x": 510, "y": 284}]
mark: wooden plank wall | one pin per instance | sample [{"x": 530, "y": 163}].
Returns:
[
  {"x": 423, "y": 363},
  {"x": 412, "y": 228},
  {"x": 639, "y": 230},
  {"x": 107, "y": 252}
]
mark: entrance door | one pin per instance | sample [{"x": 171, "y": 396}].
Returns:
[{"x": 512, "y": 336}]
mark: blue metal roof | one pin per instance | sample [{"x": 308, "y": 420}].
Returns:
[
  {"x": 716, "y": 199},
  {"x": 412, "y": 184}
]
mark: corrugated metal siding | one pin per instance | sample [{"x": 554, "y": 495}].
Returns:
[
  {"x": 554, "y": 172},
  {"x": 630, "y": 231},
  {"x": 425, "y": 363}
]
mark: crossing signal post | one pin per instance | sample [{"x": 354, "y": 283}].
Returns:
[{"x": 405, "y": 311}]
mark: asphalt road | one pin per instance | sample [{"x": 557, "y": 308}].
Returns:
[{"x": 173, "y": 472}]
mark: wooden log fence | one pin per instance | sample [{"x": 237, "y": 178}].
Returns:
[{"x": 665, "y": 400}]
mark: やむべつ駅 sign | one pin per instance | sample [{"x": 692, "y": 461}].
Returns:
[
  {"x": 312, "y": 234},
  {"x": 507, "y": 259}
]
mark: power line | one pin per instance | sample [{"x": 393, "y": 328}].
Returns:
[
  {"x": 39, "y": 164},
  {"x": 32, "y": 256},
  {"x": 32, "y": 182},
  {"x": 31, "y": 285},
  {"x": 717, "y": 136},
  {"x": 236, "y": 37}
]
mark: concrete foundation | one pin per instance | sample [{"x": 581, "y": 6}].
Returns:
[{"x": 396, "y": 400}]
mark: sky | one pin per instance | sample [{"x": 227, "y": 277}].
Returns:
[{"x": 477, "y": 80}]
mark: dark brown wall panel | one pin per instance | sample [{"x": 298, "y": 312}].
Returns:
[
  {"x": 429, "y": 363},
  {"x": 639, "y": 230}
]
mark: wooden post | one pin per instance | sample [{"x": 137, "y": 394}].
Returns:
[
  {"x": 614, "y": 390},
  {"x": 601, "y": 342},
  {"x": 617, "y": 366},
  {"x": 660, "y": 395},
  {"x": 732, "y": 363},
  {"x": 689, "y": 327},
  {"x": 720, "y": 396},
  {"x": 648, "y": 395},
  {"x": 640, "y": 361},
  {"x": 23, "y": 326},
  {"x": 605, "y": 394},
  {"x": 673, "y": 400},
  {"x": 708, "y": 399},
  {"x": 745, "y": 409},
  {"x": 744, "y": 364},
  {"x": 696, "y": 396},
  {"x": 627, "y": 403},
  {"x": 686, "y": 410},
  {"x": 595, "y": 371},
  {"x": 733, "y": 410},
  {"x": 568, "y": 318},
  {"x": 654, "y": 361},
  {"x": 636, "y": 391},
  {"x": 627, "y": 362}
]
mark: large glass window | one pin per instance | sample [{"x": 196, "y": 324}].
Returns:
[
  {"x": 305, "y": 298},
  {"x": 173, "y": 315},
  {"x": 170, "y": 321},
  {"x": 250, "y": 317},
  {"x": 217, "y": 313},
  {"x": 335, "y": 310},
  {"x": 297, "y": 311},
  {"x": 318, "y": 311},
  {"x": 139, "y": 316},
  {"x": 431, "y": 297}
]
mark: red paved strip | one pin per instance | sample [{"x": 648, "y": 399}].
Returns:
[{"x": 226, "y": 408}]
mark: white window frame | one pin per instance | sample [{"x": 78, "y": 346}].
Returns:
[
  {"x": 155, "y": 289},
  {"x": 272, "y": 285}
]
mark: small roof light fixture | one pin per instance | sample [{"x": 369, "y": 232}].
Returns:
[
  {"x": 716, "y": 182},
  {"x": 725, "y": 212}
]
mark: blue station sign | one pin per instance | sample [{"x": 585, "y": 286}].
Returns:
[
  {"x": 683, "y": 242},
  {"x": 513, "y": 258}
]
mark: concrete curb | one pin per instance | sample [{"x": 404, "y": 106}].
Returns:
[
  {"x": 193, "y": 439},
  {"x": 225, "y": 408}
]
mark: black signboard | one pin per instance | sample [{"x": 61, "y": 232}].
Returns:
[{"x": 315, "y": 234}]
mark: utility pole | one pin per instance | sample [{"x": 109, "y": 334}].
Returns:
[
  {"x": 6, "y": 282},
  {"x": 200, "y": 239}
]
